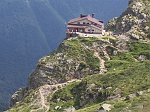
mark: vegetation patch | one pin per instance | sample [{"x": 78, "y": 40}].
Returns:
[{"x": 64, "y": 97}]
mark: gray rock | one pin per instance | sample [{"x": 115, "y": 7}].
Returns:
[
  {"x": 140, "y": 93},
  {"x": 148, "y": 90},
  {"x": 142, "y": 57},
  {"x": 101, "y": 110},
  {"x": 18, "y": 96},
  {"x": 105, "y": 108},
  {"x": 146, "y": 28},
  {"x": 134, "y": 36},
  {"x": 57, "y": 107},
  {"x": 131, "y": 96},
  {"x": 70, "y": 109}
]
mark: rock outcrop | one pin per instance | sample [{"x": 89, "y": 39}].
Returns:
[
  {"x": 72, "y": 60},
  {"x": 133, "y": 22},
  {"x": 18, "y": 96}
]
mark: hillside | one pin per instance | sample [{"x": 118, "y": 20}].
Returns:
[
  {"x": 108, "y": 73},
  {"x": 30, "y": 29},
  {"x": 126, "y": 75}
]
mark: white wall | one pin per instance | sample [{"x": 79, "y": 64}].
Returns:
[{"x": 96, "y": 30}]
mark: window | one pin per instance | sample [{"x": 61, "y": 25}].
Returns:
[
  {"x": 93, "y": 30},
  {"x": 78, "y": 22},
  {"x": 100, "y": 26},
  {"x": 81, "y": 30},
  {"x": 83, "y": 22},
  {"x": 89, "y": 30},
  {"x": 88, "y": 23}
]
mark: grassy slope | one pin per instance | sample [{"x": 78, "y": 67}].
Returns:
[
  {"x": 125, "y": 73},
  {"x": 73, "y": 49},
  {"x": 120, "y": 106}
]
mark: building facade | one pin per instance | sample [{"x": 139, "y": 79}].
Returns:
[{"x": 85, "y": 24}]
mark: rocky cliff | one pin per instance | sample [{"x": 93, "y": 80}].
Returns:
[
  {"x": 108, "y": 73},
  {"x": 133, "y": 22}
]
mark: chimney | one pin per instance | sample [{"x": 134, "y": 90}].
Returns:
[
  {"x": 83, "y": 15},
  {"x": 93, "y": 15},
  {"x": 101, "y": 21}
]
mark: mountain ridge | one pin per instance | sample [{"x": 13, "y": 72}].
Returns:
[{"x": 126, "y": 58}]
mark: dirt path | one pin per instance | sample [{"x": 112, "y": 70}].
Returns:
[
  {"x": 43, "y": 101},
  {"x": 102, "y": 62},
  {"x": 45, "y": 91}
]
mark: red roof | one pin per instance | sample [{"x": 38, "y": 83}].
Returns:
[{"x": 88, "y": 17}]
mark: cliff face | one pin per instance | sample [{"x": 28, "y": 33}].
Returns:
[{"x": 109, "y": 73}]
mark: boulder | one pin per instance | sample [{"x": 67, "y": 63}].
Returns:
[
  {"x": 142, "y": 58},
  {"x": 101, "y": 110},
  {"x": 57, "y": 107},
  {"x": 70, "y": 109},
  {"x": 105, "y": 108}
]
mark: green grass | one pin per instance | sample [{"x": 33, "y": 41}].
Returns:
[
  {"x": 66, "y": 96},
  {"x": 92, "y": 108},
  {"x": 65, "y": 93},
  {"x": 21, "y": 108},
  {"x": 76, "y": 51},
  {"x": 148, "y": 23},
  {"x": 124, "y": 105},
  {"x": 124, "y": 73},
  {"x": 88, "y": 41},
  {"x": 138, "y": 46},
  {"x": 127, "y": 81},
  {"x": 133, "y": 104}
]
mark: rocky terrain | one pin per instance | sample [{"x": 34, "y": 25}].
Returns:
[
  {"x": 133, "y": 22},
  {"x": 95, "y": 74}
]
